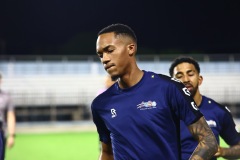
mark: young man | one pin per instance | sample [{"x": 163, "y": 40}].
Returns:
[
  {"x": 218, "y": 117},
  {"x": 7, "y": 118},
  {"x": 137, "y": 117}
]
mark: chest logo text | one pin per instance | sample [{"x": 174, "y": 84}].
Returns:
[{"x": 147, "y": 105}]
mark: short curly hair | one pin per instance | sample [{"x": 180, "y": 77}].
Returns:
[{"x": 183, "y": 59}]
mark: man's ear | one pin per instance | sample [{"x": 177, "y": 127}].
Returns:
[
  {"x": 200, "y": 80},
  {"x": 132, "y": 49}
]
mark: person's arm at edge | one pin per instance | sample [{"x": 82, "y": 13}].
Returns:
[
  {"x": 232, "y": 152},
  {"x": 106, "y": 151},
  {"x": 11, "y": 123},
  {"x": 207, "y": 145}
]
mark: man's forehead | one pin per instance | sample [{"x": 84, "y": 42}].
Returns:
[
  {"x": 107, "y": 39},
  {"x": 185, "y": 66}
]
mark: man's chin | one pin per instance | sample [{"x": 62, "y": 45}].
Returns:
[
  {"x": 192, "y": 92},
  {"x": 114, "y": 77}
]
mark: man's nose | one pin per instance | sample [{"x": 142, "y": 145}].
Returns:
[
  {"x": 105, "y": 58},
  {"x": 185, "y": 79}
]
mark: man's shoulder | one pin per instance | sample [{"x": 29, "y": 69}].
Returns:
[
  {"x": 215, "y": 104},
  {"x": 171, "y": 81},
  {"x": 163, "y": 77},
  {"x": 103, "y": 97}
]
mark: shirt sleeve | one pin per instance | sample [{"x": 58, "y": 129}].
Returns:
[
  {"x": 182, "y": 103},
  {"x": 103, "y": 132},
  {"x": 229, "y": 132},
  {"x": 10, "y": 104}
]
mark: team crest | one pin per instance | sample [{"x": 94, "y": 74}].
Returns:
[{"x": 147, "y": 105}]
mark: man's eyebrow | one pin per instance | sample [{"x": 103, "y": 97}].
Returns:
[
  {"x": 179, "y": 73},
  {"x": 107, "y": 47},
  {"x": 188, "y": 71},
  {"x": 102, "y": 49}
]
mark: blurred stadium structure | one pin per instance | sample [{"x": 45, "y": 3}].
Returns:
[{"x": 61, "y": 88}]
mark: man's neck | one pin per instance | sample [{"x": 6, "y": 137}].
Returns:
[
  {"x": 130, "y": 80},
  {"x": 198, "y": 98}
]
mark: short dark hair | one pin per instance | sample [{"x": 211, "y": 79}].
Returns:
[
  {"x": 119, "y": 29},
  {"x": 183, "y": 59}
]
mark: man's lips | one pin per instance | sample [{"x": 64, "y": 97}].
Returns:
[
  {"x": 106, "y": 67},
  {"x": 188, "y": 86}
]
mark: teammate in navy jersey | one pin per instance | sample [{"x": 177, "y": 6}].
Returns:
[
  {"x": 137, "y": 118},
  {"x": 218, "y": 117}
]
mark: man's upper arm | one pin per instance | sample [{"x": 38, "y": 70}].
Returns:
[
  {"x": 182, "y": 103},
  {"x": 106, "y": 151},
  {"x": 229, "y": 133}
]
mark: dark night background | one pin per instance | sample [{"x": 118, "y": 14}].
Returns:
[{"x": 71, "y": 26}]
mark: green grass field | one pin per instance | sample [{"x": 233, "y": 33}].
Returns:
[{"x": 56, "y": 146}]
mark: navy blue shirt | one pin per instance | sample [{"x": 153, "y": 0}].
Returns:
[
  {"x": 141, "y": 121},
  {"x": 219, "y": 120}
]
